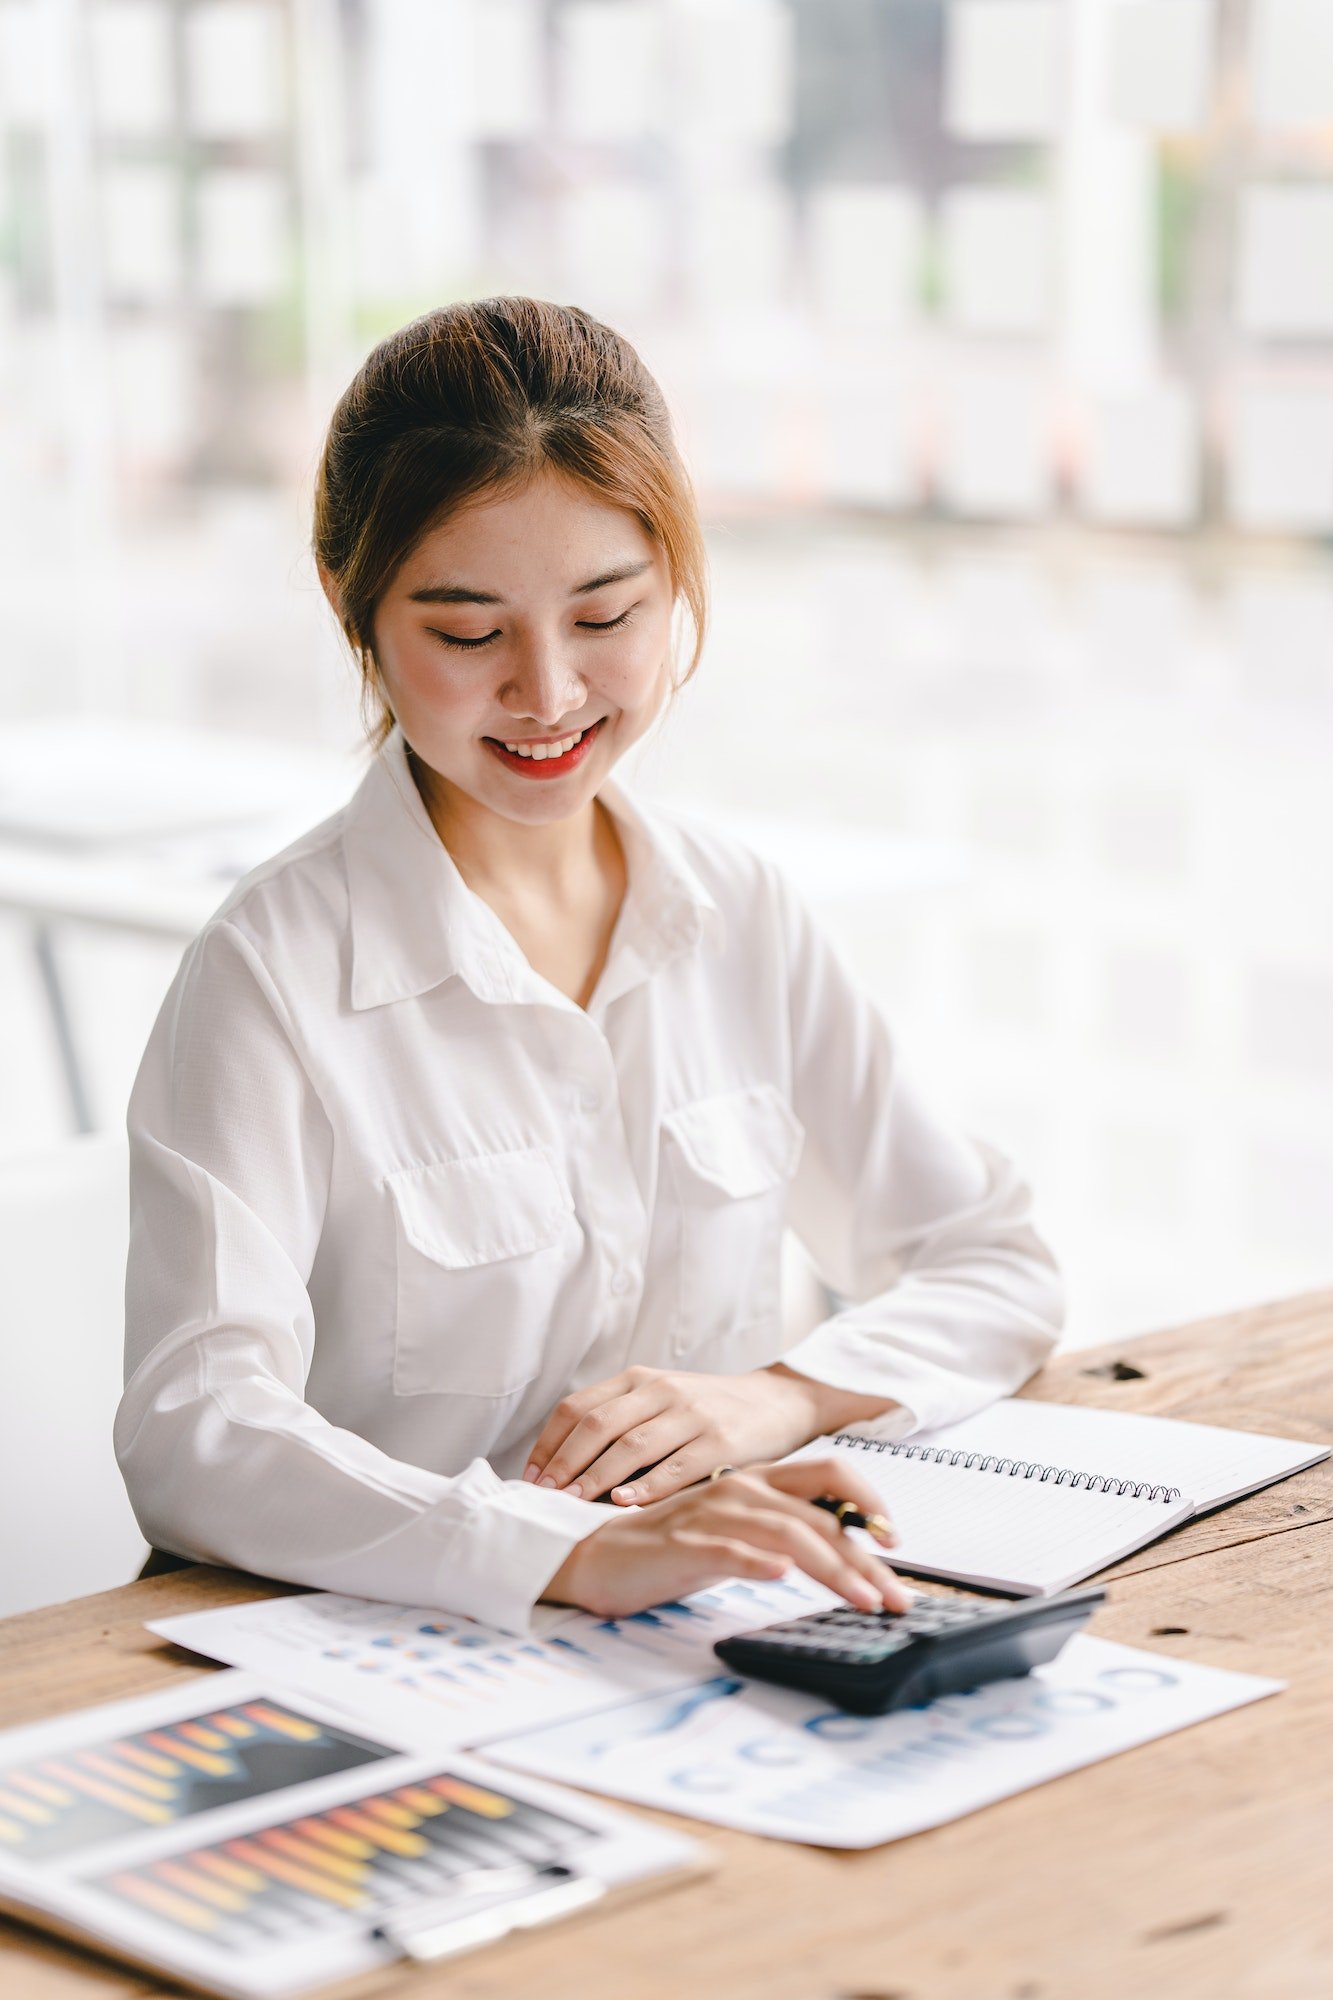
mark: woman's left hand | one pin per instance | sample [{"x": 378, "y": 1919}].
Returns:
[{"x": 678, "y": 1424}]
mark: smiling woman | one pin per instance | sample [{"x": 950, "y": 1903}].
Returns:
[
  {"x": 481, "y": 399},
  {"x": 464, "y": 1144}
]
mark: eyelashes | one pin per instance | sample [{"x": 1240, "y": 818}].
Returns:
[
  {"x": 607, "y": 624},
  {"x": 475, "y": 645},
  {"x": 463, "y": 645}
]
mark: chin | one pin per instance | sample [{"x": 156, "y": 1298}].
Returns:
[{"x": 524, "y": 800}]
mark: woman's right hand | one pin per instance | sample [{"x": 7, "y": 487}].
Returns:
[{"x": 755, "y": 1523}]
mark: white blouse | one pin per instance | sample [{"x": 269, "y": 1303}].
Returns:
[{"x": 393, "y": 1195}]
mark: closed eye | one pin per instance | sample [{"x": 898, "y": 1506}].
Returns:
[
  {"x": 609, "y": 624},
  {"x": 585, "y": 625},
  {"x": 462, "y": 645}
]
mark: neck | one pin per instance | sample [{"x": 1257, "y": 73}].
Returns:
[{"x": 551, "y": 862}]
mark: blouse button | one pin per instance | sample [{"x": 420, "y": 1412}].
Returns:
[{"x": 620, "y": 1283}]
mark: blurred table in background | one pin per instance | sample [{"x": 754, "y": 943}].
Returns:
[{"x": 142, "y": 828}]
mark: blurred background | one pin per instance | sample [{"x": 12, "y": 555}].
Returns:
[{"x": 999, "y": 335}]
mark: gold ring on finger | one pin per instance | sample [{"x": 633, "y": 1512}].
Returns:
[{"x": 718, "y": 1471}]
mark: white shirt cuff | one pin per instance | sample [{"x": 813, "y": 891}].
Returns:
[{"x": 513, "y": 1538}]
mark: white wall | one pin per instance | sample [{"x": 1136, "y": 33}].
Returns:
[{"x": 65, "y": 1523}]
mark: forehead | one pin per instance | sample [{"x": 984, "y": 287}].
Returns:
[{"x": 547, "y": 533}]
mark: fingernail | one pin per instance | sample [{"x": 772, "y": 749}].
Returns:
[
  {"x": 867, "y": 1596},
  {"x": 575, "y": 1491},
  {"x": 546, "y": 1480},
  {"x": 623, "y": 1493},
  {"x": 529, "y": 1473}
]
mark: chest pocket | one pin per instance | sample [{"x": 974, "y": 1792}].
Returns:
[
  {"x": 728, "y": 1163},
  {"x": 483, "y": 1246}
]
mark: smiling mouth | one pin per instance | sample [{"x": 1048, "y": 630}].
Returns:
[
  {"x": 548, "y": 757},
  {"x": 540, "y": 748},
  {"x": 545, "y": 747}
]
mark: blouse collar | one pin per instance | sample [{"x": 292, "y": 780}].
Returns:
[{"x": 415, "y": 922}]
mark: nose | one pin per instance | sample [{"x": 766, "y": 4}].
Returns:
[{"x": 543, "y": 686}]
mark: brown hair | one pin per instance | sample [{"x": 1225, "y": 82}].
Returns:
[{"x": 480, "y": 396}]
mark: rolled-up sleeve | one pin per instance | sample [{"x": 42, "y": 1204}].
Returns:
[
  {"x": 952, "y": 1297},
  {"x": 224, "y": 1459}
]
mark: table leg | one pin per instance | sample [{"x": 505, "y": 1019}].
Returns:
[{"x": 43, "y": 943}]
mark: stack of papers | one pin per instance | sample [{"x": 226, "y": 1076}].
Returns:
[
  {"x": 254, "y": 1843},
  {"x": 637, "y": 1708}
]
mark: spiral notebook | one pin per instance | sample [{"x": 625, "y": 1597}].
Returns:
[{"x": 1028, "y": 1498}]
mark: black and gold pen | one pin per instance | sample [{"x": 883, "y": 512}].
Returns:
[{"x": 849, "y": 1515}]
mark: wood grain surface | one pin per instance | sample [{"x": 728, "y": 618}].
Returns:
[{"x": 1199, "y": 1867}]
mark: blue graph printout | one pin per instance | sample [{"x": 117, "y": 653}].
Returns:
[
  {"x": 772, "y": 1761},
  {"x": 445, "y": 1679}
]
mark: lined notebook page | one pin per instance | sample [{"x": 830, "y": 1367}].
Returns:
[
  {"x": 1207, "y": 1464},
  {"x": 1007, "y": 1534}
]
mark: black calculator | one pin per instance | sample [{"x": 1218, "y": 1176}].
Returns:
[{"x": 872, "y": 1661}]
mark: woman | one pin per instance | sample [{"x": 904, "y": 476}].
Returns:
[{"x": 464, "y": 1143}]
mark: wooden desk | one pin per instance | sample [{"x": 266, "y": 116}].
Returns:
[{"x": 1194, "y": 1868}]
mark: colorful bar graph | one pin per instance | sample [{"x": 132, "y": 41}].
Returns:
[
  {"x": 150, "y": 1895},
  {"x": 124, "y": 1803},
  {"x": 207, "y": 1739},
  {"x": 56, "y": 1806},
  {"x": 25, "y": 1809},
  {"x": 393, "y": 1839},
  {"x": 41, "y": 1788},
  {"x": 231, "y": 1724},
  {"x": 347, "y": 1865},
  {"x": 190, "y": 1753},
  {"x": 491, "y": 1805},
  {"x": 128, "y": 1775},
  {"x": 283, "y": 1722}
]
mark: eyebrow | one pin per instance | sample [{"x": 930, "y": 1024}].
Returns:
[{"x": 459, "y": 593}]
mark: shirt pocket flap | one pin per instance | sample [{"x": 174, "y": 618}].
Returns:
[
  {"x": 739, "y": 1144},
  {"x": 461, "y": 1213}
]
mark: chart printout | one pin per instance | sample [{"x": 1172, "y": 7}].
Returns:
[
  {"x": 772, "y": 1761},
  {"x": 451, "y": 1681}
]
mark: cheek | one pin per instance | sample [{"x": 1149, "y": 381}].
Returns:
[
  {"x": 428, "y": 678},
  {"x": 638, "y": 676}
]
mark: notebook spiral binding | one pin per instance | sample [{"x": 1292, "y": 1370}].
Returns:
[{"x": 1018, "y": 1468}]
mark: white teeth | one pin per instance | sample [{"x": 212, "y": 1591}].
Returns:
[{"x": 538, "y": 752}]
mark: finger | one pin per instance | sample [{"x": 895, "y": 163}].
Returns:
[
  {"x": 806, "y": 1546},
  {"x": 658, "y": 1444},
  {"x": 809, "y": 1478},
  {"x": 691, "y": 1459},
  {"x": 851, "y": 1557},
  {"x": 595, "y": 1434},
  {"x": 565, "y": 1415},
  {"x": 864, "y": 1558}
]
